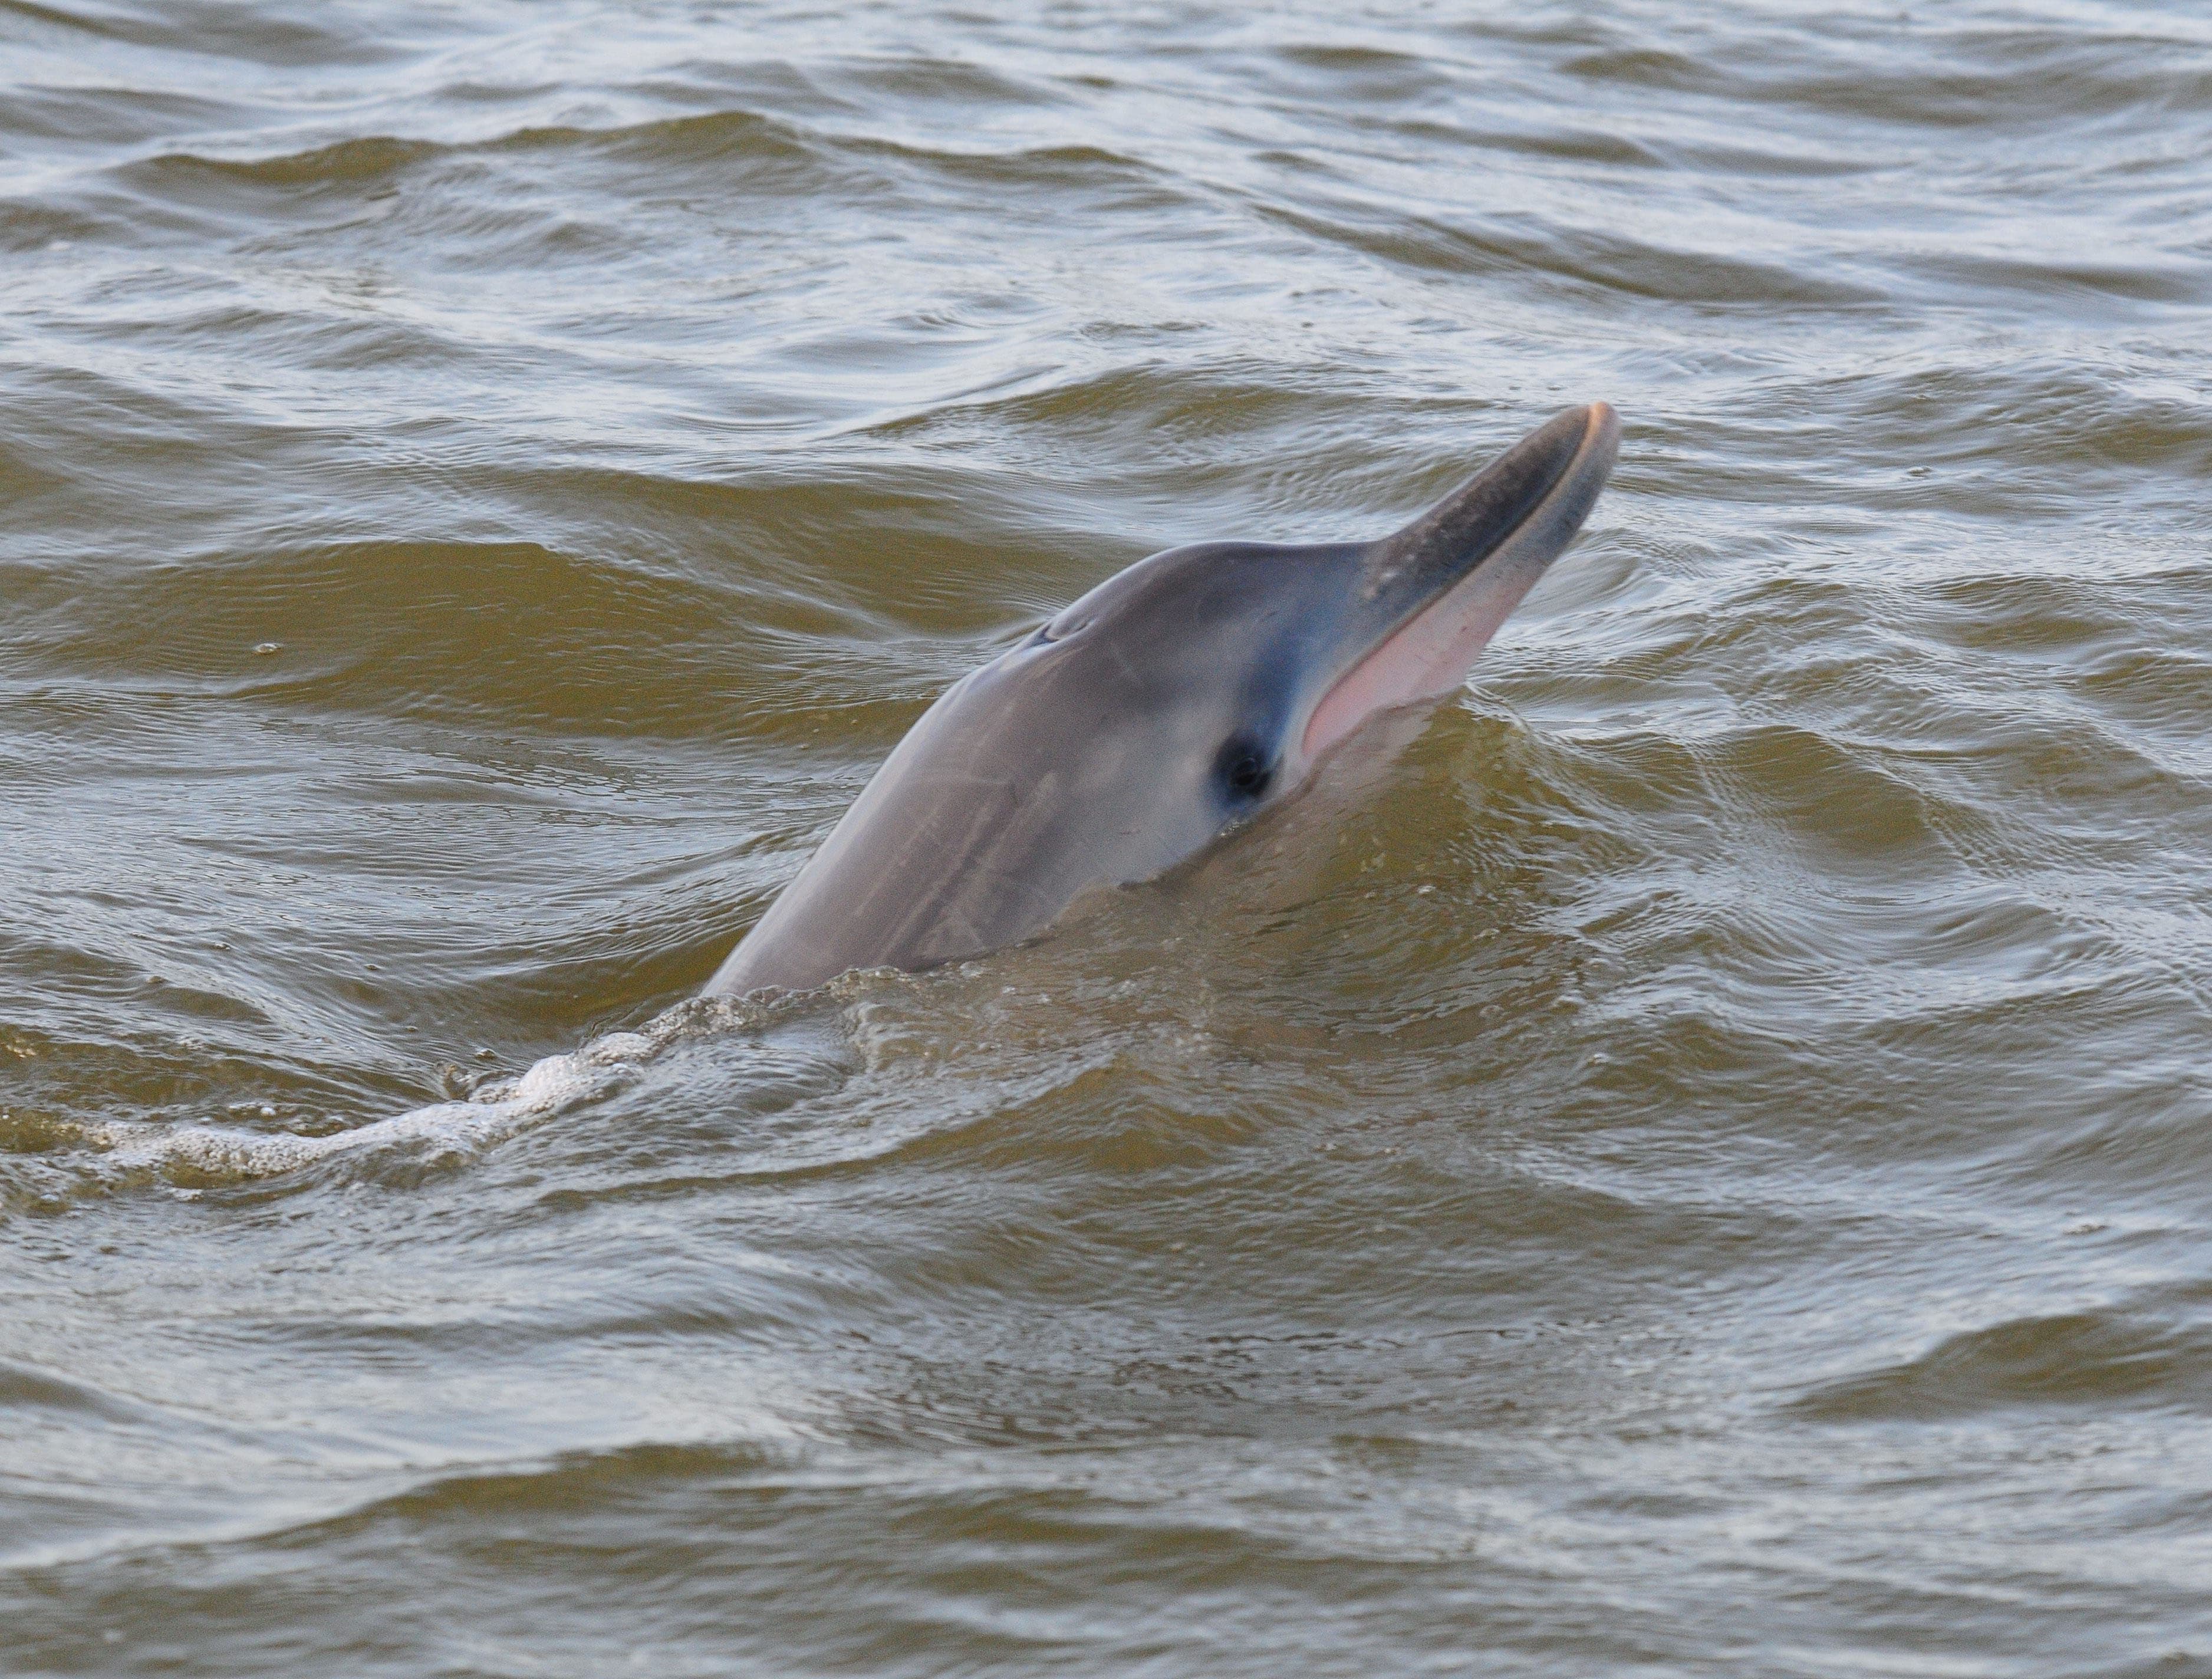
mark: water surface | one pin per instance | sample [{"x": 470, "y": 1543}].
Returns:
[{"x": 1704, "y": 1174}]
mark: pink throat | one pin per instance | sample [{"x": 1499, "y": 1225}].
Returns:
[{"x": 1424, "y": 658}]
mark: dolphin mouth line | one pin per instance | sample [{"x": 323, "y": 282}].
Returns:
[{"x": 1429, "y": 651}]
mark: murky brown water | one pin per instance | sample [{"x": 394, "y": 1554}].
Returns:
[{"x": 1711, "y": 1178}]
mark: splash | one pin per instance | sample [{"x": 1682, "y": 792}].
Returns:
[{"x": 491, "y": 1115}]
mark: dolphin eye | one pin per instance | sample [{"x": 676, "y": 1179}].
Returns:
[{"x": 1242, "y": 768}]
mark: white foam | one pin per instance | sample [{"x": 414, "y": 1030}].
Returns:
[{"x": 491, "y": 1115}]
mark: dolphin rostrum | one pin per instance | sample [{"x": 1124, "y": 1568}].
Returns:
[{"x": 1174, "y": 701}]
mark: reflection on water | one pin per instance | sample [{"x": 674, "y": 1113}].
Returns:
[{"x": 1699, "y": 1173}]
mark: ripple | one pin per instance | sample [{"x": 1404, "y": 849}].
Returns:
[
  {"x": 2091, "y": 1359},
  {"x": 484, "y": 489}
]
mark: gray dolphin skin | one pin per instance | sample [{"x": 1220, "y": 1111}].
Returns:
[{"x": 1173, "y": 702}]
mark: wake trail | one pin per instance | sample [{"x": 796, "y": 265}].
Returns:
[{"x": 471, "y": 1123}]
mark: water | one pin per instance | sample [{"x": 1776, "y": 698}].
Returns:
[{"x": 1705, "y": 1175}]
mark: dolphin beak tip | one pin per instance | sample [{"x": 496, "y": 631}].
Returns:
[
  {"x": 1601, "y": 425},
  {"x": 1592, "y": 458}
]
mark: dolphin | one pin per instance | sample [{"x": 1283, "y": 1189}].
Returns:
[{"x": 1176, "y": 700}]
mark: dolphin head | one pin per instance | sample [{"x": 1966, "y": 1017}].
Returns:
[{"x": 1176, "y": 700}]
